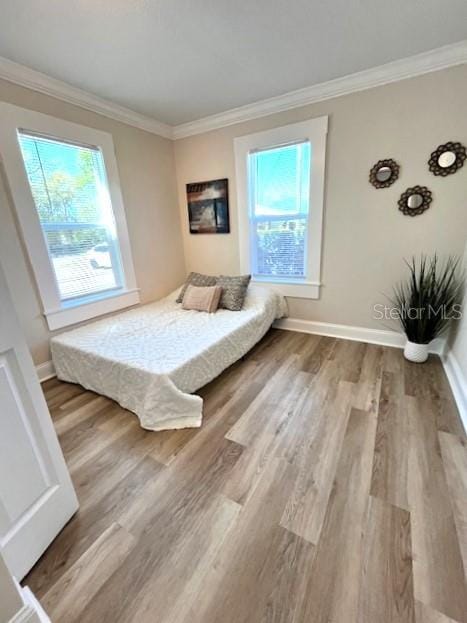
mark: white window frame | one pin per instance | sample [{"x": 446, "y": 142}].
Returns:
[
  {"x": 60, "y": 313},
  {"x": 315, "y": 131}
]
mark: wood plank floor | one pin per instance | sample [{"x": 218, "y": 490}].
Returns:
[{"x": 327, "y": 485}]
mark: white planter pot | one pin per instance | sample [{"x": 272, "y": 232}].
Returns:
[{"x": 416, "y": 352}]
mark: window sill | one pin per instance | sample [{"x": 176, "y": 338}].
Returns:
[
  {"x": 86, "y": 310},
  {"x": 298, "y": 289}
]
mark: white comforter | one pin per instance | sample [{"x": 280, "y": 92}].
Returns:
[{"x": 152, "y": 358}]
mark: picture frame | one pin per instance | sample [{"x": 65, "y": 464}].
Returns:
[{"x": 208, "y": 207}]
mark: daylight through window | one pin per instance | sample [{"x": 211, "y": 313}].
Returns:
[
  {"x": 70, "y": 192},
  {"x": 279, "y": 192}
]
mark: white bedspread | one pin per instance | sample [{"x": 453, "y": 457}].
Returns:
[{"x": 152, "y": 358}]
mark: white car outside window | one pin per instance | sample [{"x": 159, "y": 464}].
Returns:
[{"x": 99, "y": 256}]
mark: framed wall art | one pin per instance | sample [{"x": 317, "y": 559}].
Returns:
[{"x": 208, "y": 207}]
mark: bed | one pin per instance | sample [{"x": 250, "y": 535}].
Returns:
[{"x": 151, "y": 359}]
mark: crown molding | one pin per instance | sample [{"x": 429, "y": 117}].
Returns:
[
  {"x": 433, "y": 60},
  {"x": 37, "y": 81},
  {"x": 356, "y": 334}
]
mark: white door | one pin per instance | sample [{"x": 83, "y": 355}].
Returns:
[{"x": 36, "y": 493}]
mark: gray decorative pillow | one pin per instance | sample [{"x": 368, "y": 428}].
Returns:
[
  {"x": 196, "y": 279},
  {"x": 233, "y": 291}
]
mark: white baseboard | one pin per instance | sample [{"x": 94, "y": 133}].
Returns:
[
  {"x": 45, "y": 371},
  {"x": 458, "y": 384},
  {"x": 348, "y": 332},
  {"x": 25, "y": 615},
  {"x": 34, "y": 604},
  {"x": 32, "y": 611}
]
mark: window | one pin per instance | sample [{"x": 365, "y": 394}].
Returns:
[
  {"x": 279, "y": 181},
  {"x": 65, "y": 187},
  {"x": 280, "y": 177},
  {"x": 70, "y": 193}
]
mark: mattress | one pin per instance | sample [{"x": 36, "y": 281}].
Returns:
[{"x": 151, "y": 359}]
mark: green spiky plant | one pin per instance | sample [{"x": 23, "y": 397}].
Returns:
[{"x": 434, "y": 289}]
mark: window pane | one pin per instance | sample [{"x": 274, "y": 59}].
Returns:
[
  {"x": 279, "y": 204},
  {"x": 280, "y": 247},
  {"x": 69, "y": 188}
]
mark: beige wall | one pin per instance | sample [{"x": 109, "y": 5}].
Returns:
[
  {"x": 147, "y": 176},
  {"x": 365, "y": 236}
]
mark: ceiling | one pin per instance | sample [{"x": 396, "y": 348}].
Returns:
[{"x": 181, "y": 60}]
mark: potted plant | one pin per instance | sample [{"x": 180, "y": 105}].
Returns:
[{"x": 427, "y": 302}]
